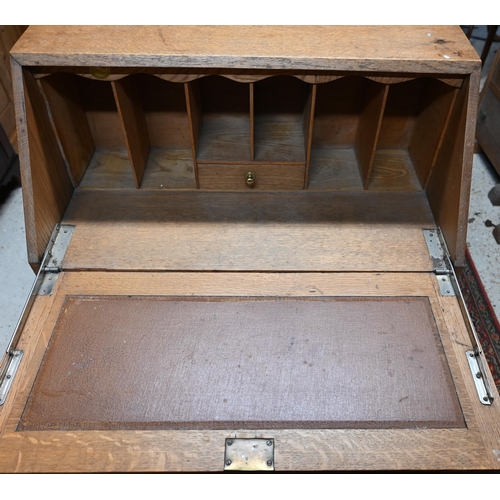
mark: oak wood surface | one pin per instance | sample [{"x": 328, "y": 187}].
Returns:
[
  {"x": 334, "y": 169},
  {"x": 273, "y": 177},
  {"x": 291, "y": 47},
  {"x": 307, "y": 231},
  {"x": 69, "y": 122},
  {"x": 308, "y": 124},
  {"x": 47, "y": 187},
  {"x": 393, "y": 170},
  {"x": 430, "y": 126},
  {"x": 338, "y": 106},
  {"x": 9, "y": 34},
  {"x": 165, "y": 108},
  {"x": 487, "y": 416},
  {"x": 242, "y": 75},
  {"x": 224, "y": 138},
  {"x": 399, "y": 115},
  {"x": 167, "y": 168},
  {"x": 348, "y": 449},
  {"x": 448, "y": 188},
  {"x": 102, "y": 114},
  {"x": 193, "y": 105},
  {"x": 370, "y": 121},
  {"x": 133, "y": 119}
]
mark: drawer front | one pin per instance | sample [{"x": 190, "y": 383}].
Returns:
[{"x": 265, "y": 177}]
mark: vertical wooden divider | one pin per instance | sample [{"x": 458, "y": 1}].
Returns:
[
  {"x": 370, "y": 121},
  {"x": 430, "y": 127},
  {"x": 69, "y": 122},
  {"x": 252, "y": 122},
  {"x": 193, "y": 106},
  {"x": 133, "y": 119},
  {"x": 308, "y": 121}
]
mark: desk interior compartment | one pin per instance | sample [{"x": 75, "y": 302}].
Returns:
[
  {"x": 378, "y": 136},
  {"x": 126, "y": 133}
]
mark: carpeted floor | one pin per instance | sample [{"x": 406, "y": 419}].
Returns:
[{"x": 482, "y": 315}]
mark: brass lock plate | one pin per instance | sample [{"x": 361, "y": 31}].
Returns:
[{"x": 249, "y": 454}]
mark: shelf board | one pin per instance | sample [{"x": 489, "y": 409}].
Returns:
[
  {"x": 334, "y": 169},
  {"x": 279, "y": 138},
  {"x": 393, "y": 171},
  {"x": 224, "y": 137},
  {"x": 166, "y": 168}
]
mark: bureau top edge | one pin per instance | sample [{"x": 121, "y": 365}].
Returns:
[{"x": 429, "y": 49}]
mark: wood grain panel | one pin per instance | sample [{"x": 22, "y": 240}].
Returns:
[
  {"x": 193, "y": 105},
  {"x": 128, "y": 102},
  {"x": 393, "y": 170},
  {"x": 292, "y": 231},
  {"x": 340, "y": 48},
  {"x": 487, "y": 416},
  {"x": 448, "y": 189},
  {"x": 307, "y": 124},
  {"x": 9, "y": 34},
  {"x": 164, "y": 105},
  {"x": 280, "y": 104},
  {"x": 334, "y": 169},
  {"x": 370, "y": 121},
  {"x": 47, "y": 187},
  {"x": 430, "y": 126},
  {"x": 268, "y": 177},
  {"x": 69, "y": 122},
  {"x": 400, "y": 113},
  {"x": 327, "y": 449},
  {"x": 247, "y": 284},
  {"x": 102, "y": 115},
  {"x": 337, "y": 112}
]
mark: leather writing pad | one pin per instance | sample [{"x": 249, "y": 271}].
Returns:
[{"x": 229, "y": 363}]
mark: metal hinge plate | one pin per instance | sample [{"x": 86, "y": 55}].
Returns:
[
  {"x": 440, "y": 261},
  {"x": 8, "y": 376},
  {"x": 249, "y": 455},
  {"x": 44, "y": 283},
  {"x": 55, "y": 255},
  {"x": 478, "y": 377},
  {"x": 448, "y": 284}
]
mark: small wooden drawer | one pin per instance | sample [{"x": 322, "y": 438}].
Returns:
[{"x": 233, "y": 177}]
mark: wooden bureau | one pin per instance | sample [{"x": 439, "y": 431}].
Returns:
[{"x": 250, "y": 220}]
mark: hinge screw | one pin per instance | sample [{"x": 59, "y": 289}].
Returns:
[
  {"x": 269, "y": 443},
  {"x": 479, "y": 375},
  {"x": 7, "y": 377},
  {"x": 269, "y": 463},
  {"x": 486, "y": 398},
  {"x": 228, "y": 462},
  {"x": 229, "y": 442}
]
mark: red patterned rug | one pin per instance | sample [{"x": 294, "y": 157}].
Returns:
[{"x": 482, "y": 315}]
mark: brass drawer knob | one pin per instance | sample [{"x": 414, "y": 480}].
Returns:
[{"x": 250, "y": 179}]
